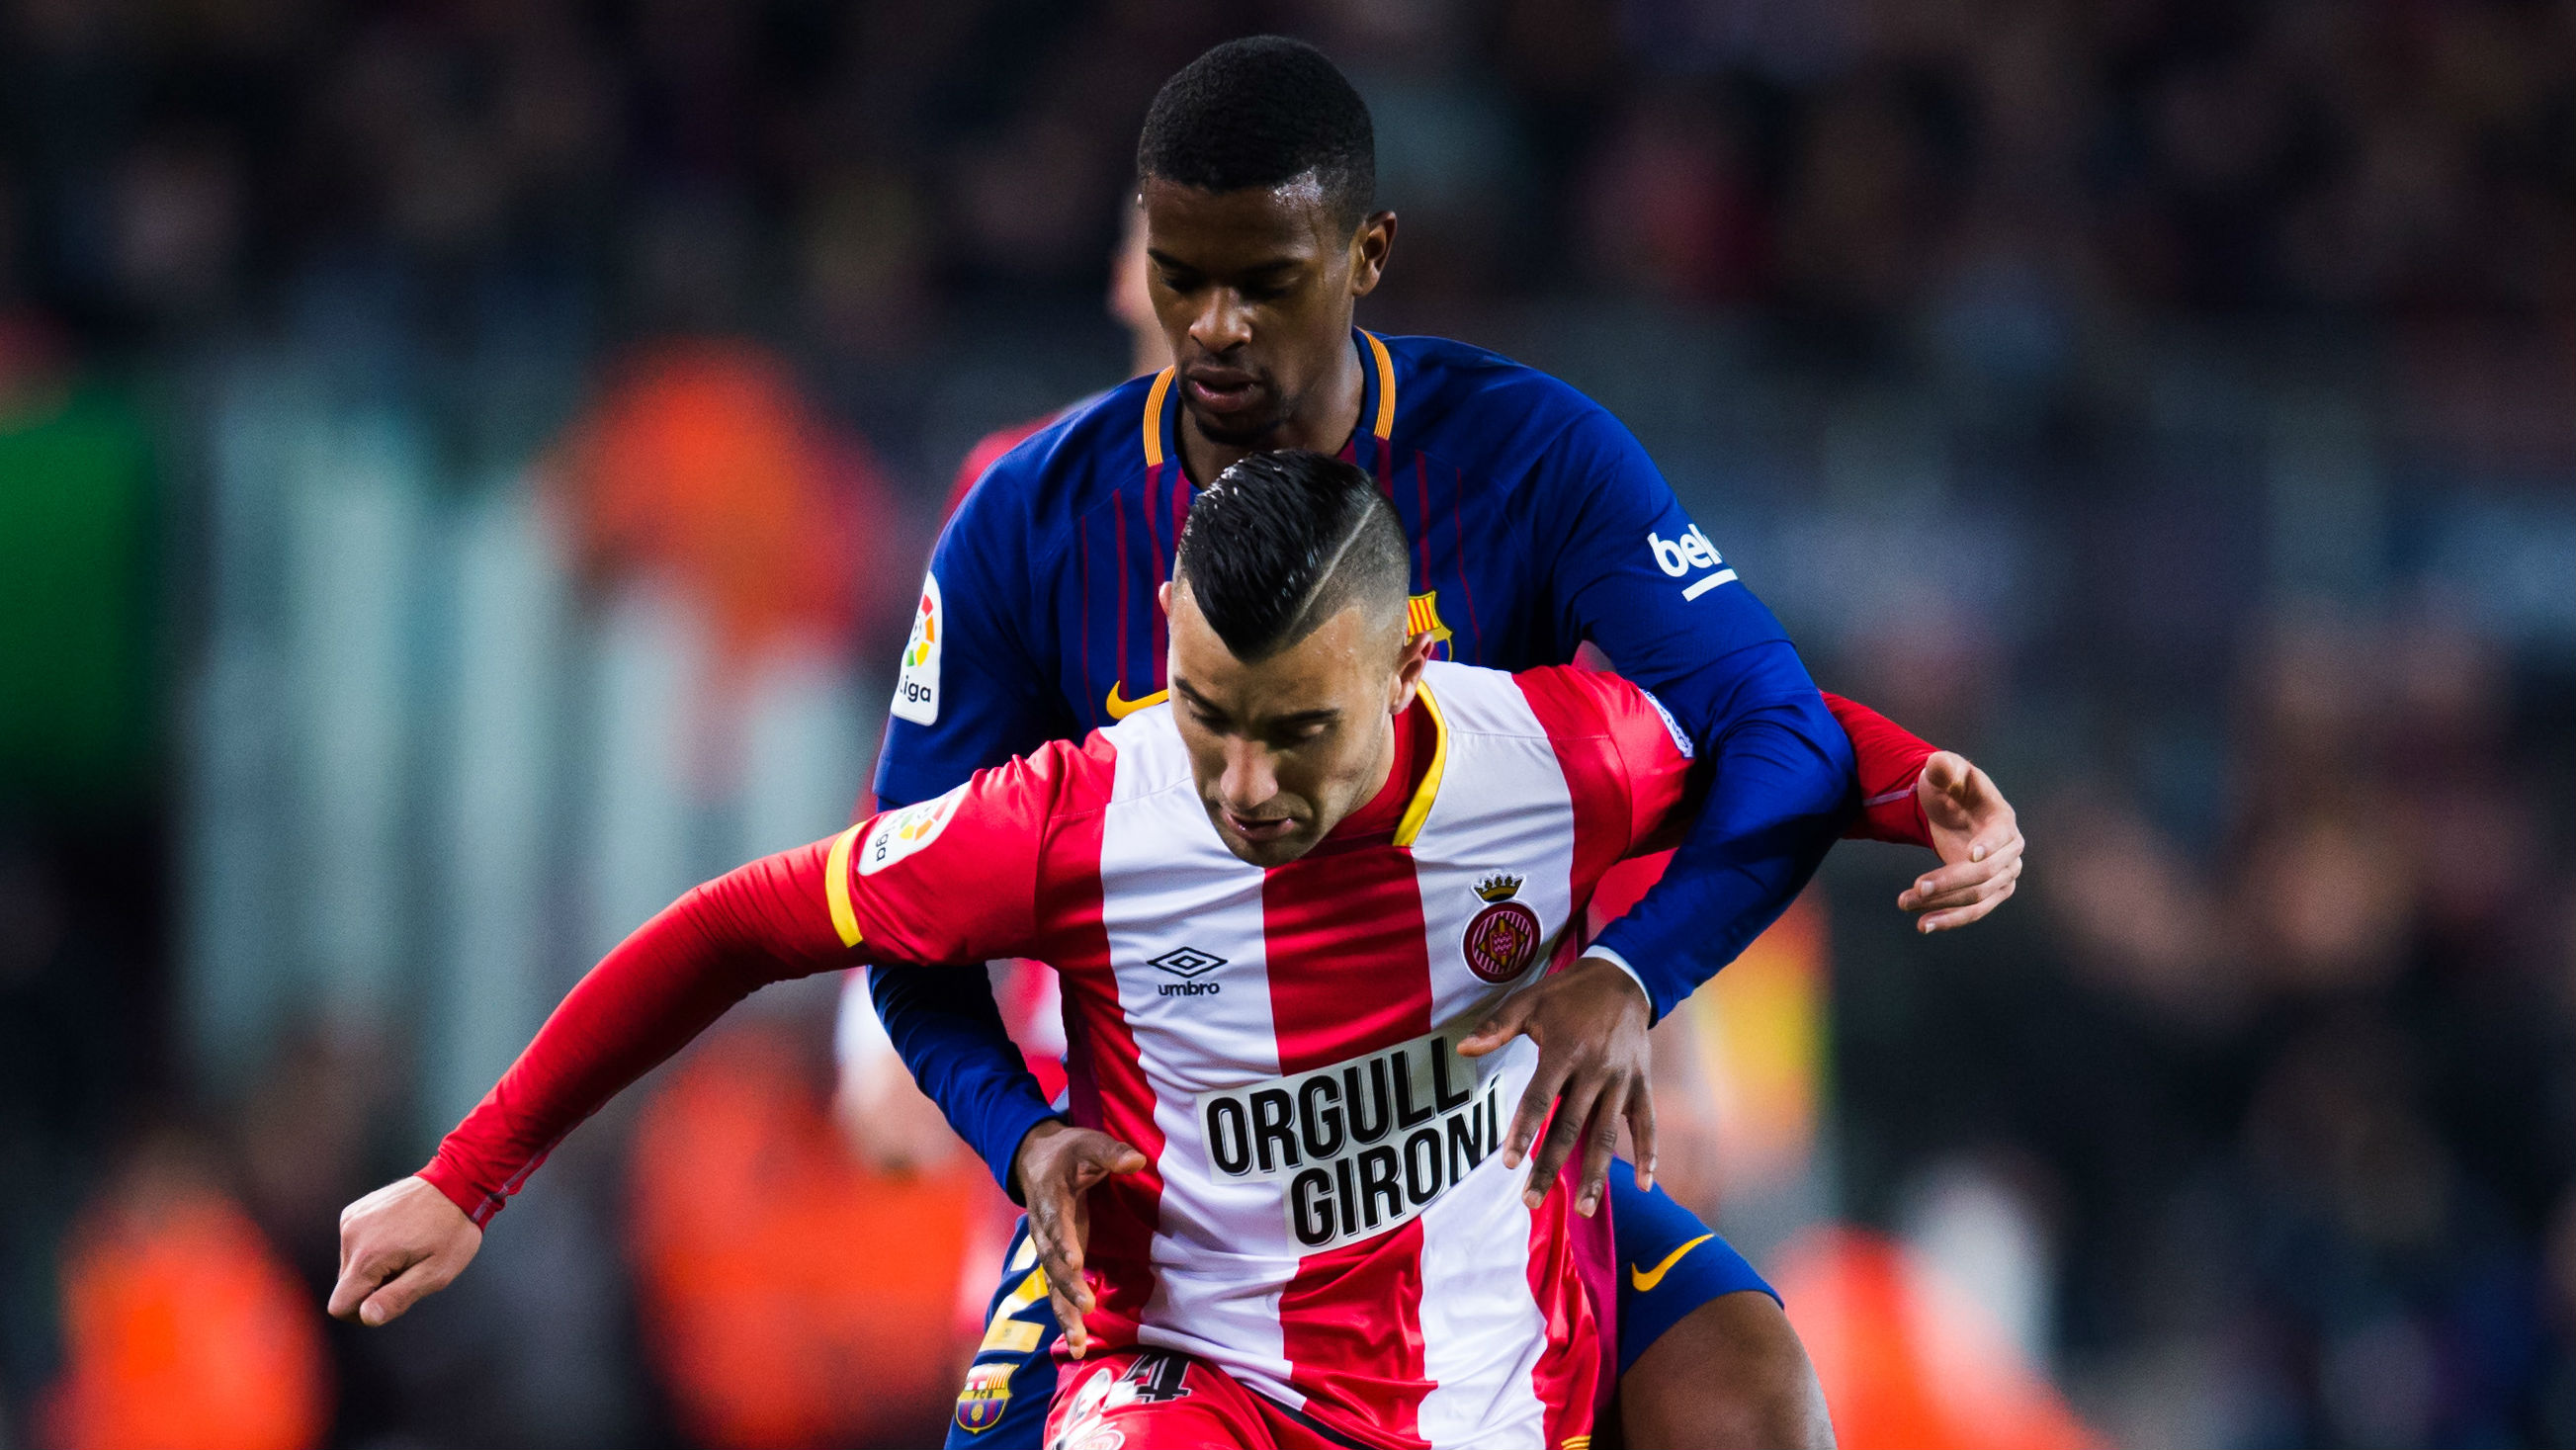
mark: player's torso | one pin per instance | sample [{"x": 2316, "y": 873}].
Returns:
[
  {"x": 1287, "y": 1043},
  {"x": 1100, "y": 632}
]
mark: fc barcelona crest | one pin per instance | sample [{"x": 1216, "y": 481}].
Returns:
[
  {"x": 1422, "y": 616},
  {"x": 986, "y": 1396},
  {"x": 1502, "y": 940}
]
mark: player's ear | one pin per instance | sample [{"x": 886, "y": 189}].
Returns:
[
  {"x": 1163, "y": 597},
  {"x": 1408, "y": 670},
  {"x": 1369, "y": 248}
]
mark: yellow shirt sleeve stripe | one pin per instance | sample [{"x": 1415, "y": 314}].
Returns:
[
  {"x": 836, "y": 884},
  {"x": 1385, "y": 428},
  {"x": 1154, "y": 418},
  {"x": 1418, "y": 810}
]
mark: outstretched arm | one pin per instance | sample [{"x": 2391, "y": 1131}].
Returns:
[
  {"x": 657, "y": 989},
  {"x": 951, "y": 880}
]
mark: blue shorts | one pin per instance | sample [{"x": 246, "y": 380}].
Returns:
[{"x": 1669, "y": 1264}]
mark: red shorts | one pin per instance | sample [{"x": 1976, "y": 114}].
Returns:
[{"x": 1162, "y": 1399}]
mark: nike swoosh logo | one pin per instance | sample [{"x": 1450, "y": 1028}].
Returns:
[
  {"x": 1120, "y": 707},
  {"x": 1647, "y": 1280}
]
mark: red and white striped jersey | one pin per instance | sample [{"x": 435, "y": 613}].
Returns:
[{"x": 1326, "y": 1215}]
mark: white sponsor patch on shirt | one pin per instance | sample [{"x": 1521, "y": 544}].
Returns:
[
  {"x": 916, "y": 685},
  {"x": 1677, "y": 557},
  {"x": 1362, "y": 1146},
  {"x": 899, "y": 833}
]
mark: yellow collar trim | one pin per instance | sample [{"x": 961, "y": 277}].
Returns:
[
  {"x": 1385, "y": 428},
  {"x": 1418, "y": 810},
  {"x": 1154, "y": 418}
]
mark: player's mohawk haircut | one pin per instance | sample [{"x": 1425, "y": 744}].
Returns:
[
  {"x": 1282, "y": 542},
  {"x": 1258, "y": 112}
]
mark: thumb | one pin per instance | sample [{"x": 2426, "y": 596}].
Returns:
[
  {"x": 1508, "y": 1022},
  {"x": 1949, "y": 782},
  {"x": 1100, "y": 1156}
]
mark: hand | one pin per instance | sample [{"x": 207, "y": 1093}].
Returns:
[
  {"x": 1976, "y": 834},
  {"x": 1589, "y": 1022},
  {"x": 399, "y": 1245},
  {"x": 1056, "y": 1165}
]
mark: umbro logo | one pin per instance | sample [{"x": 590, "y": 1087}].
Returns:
[{"x": 1187, "y": 963}]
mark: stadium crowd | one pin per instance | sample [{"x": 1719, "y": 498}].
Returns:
[{"x": 2163, "y": 403}]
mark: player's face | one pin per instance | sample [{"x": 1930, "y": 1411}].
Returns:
[
  {"x": 1286, "y": 747},
  {"x": 1254, "y": 289}
]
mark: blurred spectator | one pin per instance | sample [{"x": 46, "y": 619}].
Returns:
[
  {"x": 181, "y": 1327},
  {"x": 790, "y": 1296},
  {"x": 704, "y": 465}
]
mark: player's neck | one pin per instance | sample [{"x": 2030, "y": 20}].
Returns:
[{"x": 1325, "y": 420}]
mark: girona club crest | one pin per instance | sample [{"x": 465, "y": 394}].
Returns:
[{"x": 1503, "y": 939}]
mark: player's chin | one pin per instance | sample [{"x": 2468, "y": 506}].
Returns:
[{"x": 1243, "y": 427}]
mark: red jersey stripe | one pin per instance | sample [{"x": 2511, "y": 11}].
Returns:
[{"x": 1106, "y": 1079}]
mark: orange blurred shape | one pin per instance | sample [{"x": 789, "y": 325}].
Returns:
[
  {"x": 703, "y": 464},
  {"x": 790, "y": 1297},
  {"x": 182, "y": 1330},
  {"x": 1908, "y": 1361},
  {"x": 1760, "y": 1029}
]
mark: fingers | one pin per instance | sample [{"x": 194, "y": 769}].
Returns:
[
  {"x": 353, "y": 1287},
  {"x": 1600, "y": 1144},
  {"x": 408, "y": 1288},
  {"x": 1573, "y": 1116},
  {"x": 1536, "y": 1099},
  {"x": 1962, "y": 916},
  {"x": 1958, "y": 883},
  {"x": 1641, "y": 1132},
  {"x": 1060, "y": 1254},
  {"x": 1077, "y": 1335},
  {"x": 2007, "y": 871},
  {"x": 384, "y": 1286}
]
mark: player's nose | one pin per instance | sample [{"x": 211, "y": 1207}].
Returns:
[
  {"x": 1223, "y": 322},
  {"x": 1250, "y": 780}
]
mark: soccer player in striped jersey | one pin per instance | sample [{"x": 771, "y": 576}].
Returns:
[
  {"x": 1537, "y": 524},
  {"x": 1313, "y": 914}
]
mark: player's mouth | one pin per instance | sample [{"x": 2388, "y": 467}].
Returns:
[
  {"x": 1258, "y": 829},
  {"x": 1223, "y": 390}
]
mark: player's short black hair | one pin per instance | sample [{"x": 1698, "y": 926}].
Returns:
[
  {"x": 1282, "y": 542},
  {"x": 1259, "y": 112}
]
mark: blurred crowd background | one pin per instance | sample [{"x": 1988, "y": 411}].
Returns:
[{"x": 463, "y": 468}]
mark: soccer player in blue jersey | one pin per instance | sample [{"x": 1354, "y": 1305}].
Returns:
[{"x": 1537, "y": 524}]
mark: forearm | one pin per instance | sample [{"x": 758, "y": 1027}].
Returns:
[
  {"x": 1781, "y": 790},
  {"x": 950, "y": 1036},
  {"x": 1887, "y": 759},
  {"x": 646, "y": 999}
]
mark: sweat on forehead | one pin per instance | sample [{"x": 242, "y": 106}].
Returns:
[{"x": 1281, "y": 542}]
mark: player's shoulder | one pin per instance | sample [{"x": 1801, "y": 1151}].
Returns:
[
  {"x": 1459, "y": 398},
  {"x": 1146, "y": 745},
  {"x": 1048, "y": 478},
  {"x": 1564, "y": 703}
]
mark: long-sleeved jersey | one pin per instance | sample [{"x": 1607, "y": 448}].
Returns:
[
  {"x": 1326, "y": 1214},
  {"x": 1537, "y": 523}
]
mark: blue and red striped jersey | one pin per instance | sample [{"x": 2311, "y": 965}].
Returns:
[{"x": 1537, "y": 523}]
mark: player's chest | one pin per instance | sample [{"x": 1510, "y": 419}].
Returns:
[{"x": 1226, "y": 973}]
